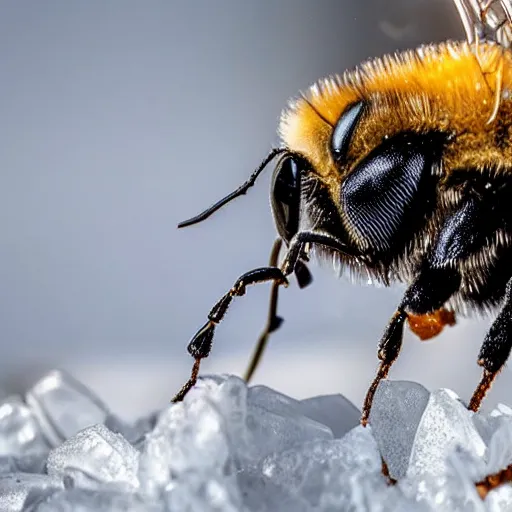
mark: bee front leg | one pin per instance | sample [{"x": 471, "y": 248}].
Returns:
[
  {"x": 431, "y": 289},
  {"x": 495, "y": 349},
  {"x": 201, "y": 344}
]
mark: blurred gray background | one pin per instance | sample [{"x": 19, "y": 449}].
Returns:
[{"x": 117, "y": 120}]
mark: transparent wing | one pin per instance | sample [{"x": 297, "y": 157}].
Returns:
[{"x": 488, "y": 20}]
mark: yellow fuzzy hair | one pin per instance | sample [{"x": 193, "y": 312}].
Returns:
[{"x": 460, "y": 89}]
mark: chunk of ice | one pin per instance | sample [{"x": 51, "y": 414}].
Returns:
[
  {"x": 260, "y": 493},
  {"x": 20, "y": 433},
  {"x": 31, "y": 463},
  {"x": 501, "y": 410},
  {"x": 85, "y": 500},
  {"x": 307, "y": 469},
  {"x": 445, "y": 424},
  {"x": 134, "y": 433},
  {"x": 468, "y": 463},
  {"x": 198, "y": 492},
  {"x": 362, "y": 492},
  {"x": 277, "y": 422},
  {"x": 394, "y": 417},
  {"x": 335, "y": 411},
  {"x": 230, "y": 448},
  {"x": 441, "y": 494},
  {"x": 15, "y": 488},
  {"x": 98, "y": 453},
  {"x": 64, "y": 406},
  {"x": 229, "y": 396},
  {"x": 189, "y": 438},
  {"x": 273, "y": 432},
  {"x": 273, "y": 401},
  {"x": 486, "y": 425},
  {"x": 499, "y": 499},
  {"x": 453, "y": 491},
  {"x": 499, "y": 452}
]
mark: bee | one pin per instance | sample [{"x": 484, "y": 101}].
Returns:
[{"x": 400, "y": 170}]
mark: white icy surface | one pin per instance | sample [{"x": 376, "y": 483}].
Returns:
[{"x": 232, "y": 448}]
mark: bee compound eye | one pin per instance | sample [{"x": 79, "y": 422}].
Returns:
[
  {"x": 285, "y": 197},
  {"x": 391, "y": 191}
]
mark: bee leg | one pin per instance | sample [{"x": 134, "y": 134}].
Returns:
[
  {"x": 495, "y": 349},
  {"x": 464, "y": 233},
  {"x": 274, "y": 321},
  {"x": 180, "y": 395},
  {"x": 388, "y": 350},
  {"x": 201, "y": 344},
  {"x": 431, "y": 289},
  {"x": 293, "y": 263}
]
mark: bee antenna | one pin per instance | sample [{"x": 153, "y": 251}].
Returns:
[{"x": 238, "y": 192}]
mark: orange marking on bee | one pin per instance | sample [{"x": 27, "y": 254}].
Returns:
[{"x": 430, "y": 325}]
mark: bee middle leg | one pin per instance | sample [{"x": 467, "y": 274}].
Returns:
[
  {"x": 274, "y": 321},
  {"x": 431, "y": 289},
  {"x": 495, "y": 349}
]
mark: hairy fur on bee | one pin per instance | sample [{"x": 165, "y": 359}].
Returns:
[{"x": 447, "y": 91}]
